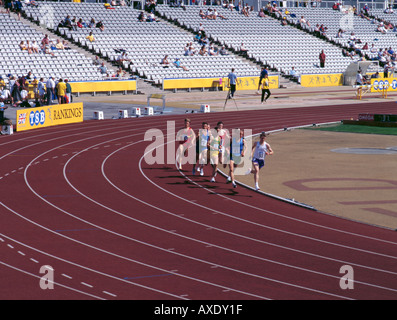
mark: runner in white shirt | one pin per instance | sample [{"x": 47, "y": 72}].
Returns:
[{"x": 259, "y": 151}]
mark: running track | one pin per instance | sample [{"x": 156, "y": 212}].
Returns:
[{"x": 81, "y": 199}]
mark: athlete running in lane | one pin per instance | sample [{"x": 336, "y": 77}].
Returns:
[
  {"x": 238, "y": 147},
  {"x": 224, "y": 146},
  {"x": 215, "y": 146},
  {"x": 202, "y": 144},
  {"x": 258, "y": 153},
  {"x": 187, "y": 139}
]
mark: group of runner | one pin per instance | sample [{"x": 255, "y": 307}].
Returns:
[{"x": 216, "y": 147}]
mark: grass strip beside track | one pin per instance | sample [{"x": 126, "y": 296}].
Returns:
[{"x": 356, "y": 129}]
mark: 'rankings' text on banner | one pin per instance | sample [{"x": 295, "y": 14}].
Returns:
[{"x": 47, "y": 116}]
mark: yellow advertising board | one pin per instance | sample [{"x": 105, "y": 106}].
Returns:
[
  {"x": 103, "y": 86},
  {"x": 243, "y": 83},
  {"x": 380, "y": 85},
  {"x": 46, "y": 116},
  {"x": 187, "y": 83},
  {"x": 322, "y": 80},
  {"x": 251, "y": 83}
]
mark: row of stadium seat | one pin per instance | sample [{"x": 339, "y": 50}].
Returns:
[{"x": 142, "y": 40}]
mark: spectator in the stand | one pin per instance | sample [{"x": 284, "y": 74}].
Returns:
[
  {"x": 244, "y": 11},
  {"x": 67, "y": 23},
  {"x": 45, "y": 41},
  {"x": 5, "y": 95},
  {"x": 284, "y": 21},
  {"x": 142, "y": 16},
  {"x": 103, "y": 68},
  {"x": 100, "y": 25},
  {"x": 189, "y": 51},
  {"x": 223, "y": 51},
  {"x": 322, "y": 59},
  {"x": 80, "y": 23},
  {"x": 90, "y": 37},
  {"x": 231, "y": 5},
  {"x": 65, "y": 45},
  {"x": 212, "y": 51},
  {"x": 293, "y": 73},
  {"x": 17, "y": 6},
  {"x": 165, "y": 62},
  {"x": 261, "y": 13},
  {"x": 304, "y": 22},
  {"x": 243, "y": 49},
  {"x": 35, "y": 47},
  {"x": 120, "y": 73},
  {"x": 216, "y": 14},
  {"x": 30, "y": 3},
  {"x": 151, "y": 17},
  {"x": 203, "y": 51},
  {"x": 202, "y": 14},
  {"x": 381, "y": 28},
  {"x": 354, "y": 38},
  {"x": 362, "y": 15},
  {"x": 92, "y": 23},
  {"x": 389, "y": 10},
  {"x": 178, "y": 64},
  {"x": 205, "y": 41},
  {"x": 22, "y": 46},
  {"x": 197, "y": 37},
  {"x": 365, "y": 46},
  {"x": 366, "y": 9},
  {"x": 373, "y": 49},
  {"x": 59, "y": 45},
  {"x": 2, "y": 83},
  {"x": 74, "y": 23}
]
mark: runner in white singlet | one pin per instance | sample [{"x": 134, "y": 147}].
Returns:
[{"x": 259, "y": 152}]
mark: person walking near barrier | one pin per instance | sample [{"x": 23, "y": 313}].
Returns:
[
  {"x": 265, "y": 89},
  {"x": 259, "y": 151},
  {"x": 232, "y": 83},
  {"x": 264, "y": 72}
]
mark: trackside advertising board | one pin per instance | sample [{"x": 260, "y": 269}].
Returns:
[{"x": 47, "y": 116}]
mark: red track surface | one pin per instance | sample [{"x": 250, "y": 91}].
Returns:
[{"x": 81, "y": 199}]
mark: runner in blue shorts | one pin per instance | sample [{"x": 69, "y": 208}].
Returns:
[{"x": 259, "y": 151}]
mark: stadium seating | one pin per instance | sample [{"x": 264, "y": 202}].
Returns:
[
  {"x": 64, "y": 64},
  {"x": 265, "y": 38},
  {"x": 145, "y": 42},
  {"x": 365, "y": 30}
]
